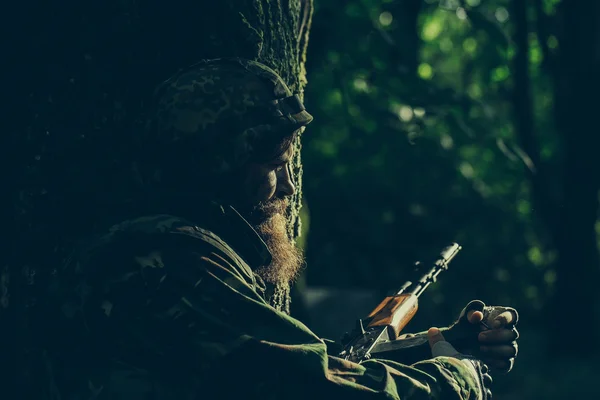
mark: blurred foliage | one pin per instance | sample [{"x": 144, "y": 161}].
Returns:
[
  {"x": 414, "y": 145},
  {"x": 398, "y": 165}
]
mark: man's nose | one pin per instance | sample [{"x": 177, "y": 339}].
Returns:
[{"x": 285, "y": 184}]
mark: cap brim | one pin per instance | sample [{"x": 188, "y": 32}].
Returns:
[{"x": 302, "y": 118}]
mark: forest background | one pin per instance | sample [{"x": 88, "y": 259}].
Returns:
[{"x": 472, "y": 121}]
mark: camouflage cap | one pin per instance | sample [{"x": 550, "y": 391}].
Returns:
[{"x": 223, "y": 110}]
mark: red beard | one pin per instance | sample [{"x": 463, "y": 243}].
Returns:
[{"x": 288, "y": 260}]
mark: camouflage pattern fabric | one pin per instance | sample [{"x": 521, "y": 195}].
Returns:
[{"x": 160, "y": 308}]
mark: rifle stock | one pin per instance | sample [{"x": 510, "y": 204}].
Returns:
[{"x": 394, "y": 312}]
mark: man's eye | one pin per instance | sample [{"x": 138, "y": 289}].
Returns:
[{"x": 278, "y": 167}]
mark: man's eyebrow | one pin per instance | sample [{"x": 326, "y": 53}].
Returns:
[{"x": 283, "y": 158}]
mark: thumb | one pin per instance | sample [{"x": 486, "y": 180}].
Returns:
[
  {"x": 434, "y": 335},
  {"x": 474, "y": 316},
  {"x": 439, "y": 346}
]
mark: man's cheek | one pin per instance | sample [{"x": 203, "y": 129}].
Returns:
[
  {"x": 267, "y": 188},
  {"x": 260, "y": 188}
]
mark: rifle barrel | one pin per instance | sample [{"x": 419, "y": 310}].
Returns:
[{"x": 441, "y": 264}]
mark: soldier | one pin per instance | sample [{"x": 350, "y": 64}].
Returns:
[{"x": 188, "y": 299}]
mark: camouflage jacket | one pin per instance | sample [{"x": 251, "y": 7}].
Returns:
[{"x": 160, "y": 308}]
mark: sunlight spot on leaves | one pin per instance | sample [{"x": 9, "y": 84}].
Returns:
[
  {"x": 412, "y": 137},
  {"x": 419, "y": 112},
  {"x": 550, "y": 277},
  {"x": 449, "y": 4},
  {"x": 326, "y": 148},
  {"x": 466, "y": 170},
  {"x": 511, "y": 51},
  {"x": 535, "y": 256},
  {"x": 474, "y": 91},
  {"x": 395, "y": 107},
  {"x": 386, "y": 18},
  {"x": 461, "y": 13},
  {"x": 446, "y": 141},
  {"x": 535, "y": 55},
  {"x": 335, "y": 97},
  {"x": 425, "y": 71},
  {"x": 501, "y": 14},
  {"x": 523, "y": 207},
  {"x": 405, "y": 113},
  {"x": 446, "y": 45},
  {"x": 550, "y": 6},
  {"x": 473, "y": 3},
  {"x": 470, "y": 45},
  {"x": 500, "y": 74},
  {"x": 360, "y": 85},
  {"x": 481, "y": 188},
  {"x": 535, "y": 51},
  {"x": 431, "y": 29}
]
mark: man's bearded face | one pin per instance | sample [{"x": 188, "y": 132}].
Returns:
[
  {"x": 270, "y": 221},
  {"x": 266, "y": 186}
]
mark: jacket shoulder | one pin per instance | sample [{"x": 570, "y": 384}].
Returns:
[{"x": 144, "y": 236}]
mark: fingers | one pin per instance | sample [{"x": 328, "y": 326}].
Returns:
[
  {"x": 496, "y": 336},
  {"x": 504, "y": 319},
  {"x": 499, "y": 352},
  {"x": 434, "y": 335},
  {"x": 499, "y": 358},
  {"x": 502, "y": 366},
  {"x": 474, "y": 317}
]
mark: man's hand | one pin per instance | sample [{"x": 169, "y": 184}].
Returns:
[
  {"x": 498, "y": 341},
  {"x": 441, "y": 348}
]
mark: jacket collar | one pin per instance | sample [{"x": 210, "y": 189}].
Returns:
[
  {"x": 224, "y": 221},
  {"x": 244, "y": 239},
  {"x": 237, "y": 232}
]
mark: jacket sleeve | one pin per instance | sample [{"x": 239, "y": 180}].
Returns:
[{"x": 204, "y": 316}]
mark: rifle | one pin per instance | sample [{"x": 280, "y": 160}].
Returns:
[{"x": 378, "y": 333}]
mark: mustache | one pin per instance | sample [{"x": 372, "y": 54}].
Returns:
[
  {"x": 265, "y": 210},
  {"x": 272, "y": 207}
]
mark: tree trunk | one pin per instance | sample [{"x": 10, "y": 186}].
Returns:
[
  {"x": 571, "y": 217},
  {"x": 543, "y": 199},
  {"x": 81, "y": 74},
  {"x": 577, "y": 85}
]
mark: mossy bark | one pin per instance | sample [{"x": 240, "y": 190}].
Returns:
[{"x": 80, "y": 76}]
